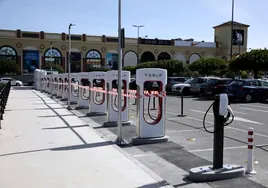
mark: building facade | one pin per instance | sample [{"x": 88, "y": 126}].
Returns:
[{"x": 32, "y": 50}]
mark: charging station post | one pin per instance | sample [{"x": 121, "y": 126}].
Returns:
[
  {"x": 222, "y": 112},
  {"x": 218, "y": 135}
]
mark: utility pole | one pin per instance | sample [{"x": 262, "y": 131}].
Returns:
[{"x": 69, "y": 68}]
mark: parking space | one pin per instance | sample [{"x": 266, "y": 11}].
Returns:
[{"x": 191, "y": 145}]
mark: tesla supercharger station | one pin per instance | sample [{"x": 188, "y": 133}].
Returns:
[
  {"x": 151, "y": 124},
  {"x": 64, "y": 96},
  {"x": 112, "y": 100},
  {"x": 55, "y": 84},
  {"x": 83, "y": 90},
  {"x": 42, "y": 85},
  {"x": 98, "y": 99},
  {"x": 47, "y": 83},
  {"x": 74, "y": 88},
  {"x": 60, "y": 86}
]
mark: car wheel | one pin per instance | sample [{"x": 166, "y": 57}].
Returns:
[
  {"x": 17, "y": 84},
  {"x": 248, "y": 97}
]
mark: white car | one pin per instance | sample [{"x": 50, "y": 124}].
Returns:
[
  {"x": 178, "y": 88},
  {"x": 13, "y": 81}
]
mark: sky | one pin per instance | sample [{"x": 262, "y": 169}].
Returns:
[{"x": 163, "y": 19}]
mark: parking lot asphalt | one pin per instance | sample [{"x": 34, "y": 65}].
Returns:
[{"x": 191, "y": 146}]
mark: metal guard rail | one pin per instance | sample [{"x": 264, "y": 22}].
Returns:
[{"x": 4, "y": 93}]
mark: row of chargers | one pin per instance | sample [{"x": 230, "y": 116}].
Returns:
[{"x": 98, "y": 92}]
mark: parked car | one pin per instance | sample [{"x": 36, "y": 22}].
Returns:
[
  {"x": 13, "y": 81},
  {"x": 195, "y": 86},
  {"x": 174, "y": 80},
  {"x": 216, "y": 86},
  {"x": 248, "y": 90},
  {"x": 147, "y": 85}
]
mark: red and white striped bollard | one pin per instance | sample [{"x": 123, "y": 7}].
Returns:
[{"x": 250, "y": 161}]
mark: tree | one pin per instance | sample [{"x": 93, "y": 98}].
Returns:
[
  {"x": 255, "y": 60},
  {"x": 9, "y": 67},
  {"x": 210, "y": 66},
  {"x": 132, "y": 69}
]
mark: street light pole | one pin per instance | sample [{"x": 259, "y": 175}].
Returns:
[
  {"x": 138, "y": 42},
  {"x": 232, "y": 28},
  {"x": 119, "y": 140},
  {"x": 50, "y": 84},
  {"x": 69, "y": 68}
]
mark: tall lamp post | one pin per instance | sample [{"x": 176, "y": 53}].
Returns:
[
  {"x": 119, "y": 140},
  {"x": 50, "y": 80},
  {"x": 138, "y": 42},
  {"x": 69, "y": 68},
  {"x": 232, "y": 28}
]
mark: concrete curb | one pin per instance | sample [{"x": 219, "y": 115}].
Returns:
[{"x": 125, "y": 153}]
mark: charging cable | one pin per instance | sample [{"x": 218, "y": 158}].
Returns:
[{"x": 226, "y": 123}]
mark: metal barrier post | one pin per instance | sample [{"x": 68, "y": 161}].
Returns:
[{"x": 182, "y": 115}]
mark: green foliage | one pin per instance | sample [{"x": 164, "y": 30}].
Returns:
[
  {"x": 55, "y": 67},
  {"x": 210, "y": 66},
  {"x": 255, "y": 60},
  {"x": 230, "y": 74},
  {"x": 132, "y": 69},
  {"x": 244, "y": 74},
  {"x": 9, "y": 67}
]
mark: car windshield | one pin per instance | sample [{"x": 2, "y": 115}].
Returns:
[
  {"x": 213, "y": 81},
  {"x": 236, "y": 83},
  {"x": 189, "y": 81}
]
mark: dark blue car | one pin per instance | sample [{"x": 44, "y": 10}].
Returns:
[{"x": 248, "y": 90}]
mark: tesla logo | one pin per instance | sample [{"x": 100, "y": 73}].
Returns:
[{"x": 153, "y": 75}]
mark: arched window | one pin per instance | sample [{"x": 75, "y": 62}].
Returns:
[
  {"x": 164, "y": 56},
  {"x": 147, "y": 57},
  {"x": 93, "y": 59},
  {"x": 7, "y": 52},
  {"x": 53, "y": 55}
]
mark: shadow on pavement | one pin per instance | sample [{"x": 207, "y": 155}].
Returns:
[
  {"x": 155, "y": 185},
  {"x": 75, "y": 126},
  {"x": 186, "y": 182},
  {"x": 74, "y": 147},
  {"x": 83, "y": 146},
  {"x": 50, "y": 116}
]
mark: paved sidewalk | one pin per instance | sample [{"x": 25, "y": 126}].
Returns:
[{"x": 44, "y": 145}]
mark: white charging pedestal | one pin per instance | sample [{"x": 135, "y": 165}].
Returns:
[
  {"x": 42, "y": 83},
  {"x": 46, "y": 83},
  {"x": 64, "y": 96},
  {"x": 112, "y": 100},
  {"x": 153, "y": 131},
  {"x": 74, "y": 88},
  {"x": 97, "y": 107},
  {"x": 60, "y": 87},
  {"x": 54, "y": 84},
  {"x": 83, "y": 90}
]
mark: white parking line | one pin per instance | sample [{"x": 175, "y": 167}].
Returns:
[
  {"x": 237, "y": 129},
  {"x": 254, "y": 105},
  {"x": 257, "y": 110},
  {"x": 174, "y": 131},
  {"x": 235, "y": 118},
  {"x": 211, "y": 149},
  {"x": 188, "y": 117}
]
